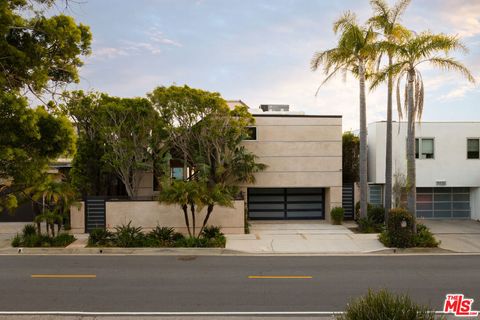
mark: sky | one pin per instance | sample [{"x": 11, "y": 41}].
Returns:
[{"x": 259, "y": 51}]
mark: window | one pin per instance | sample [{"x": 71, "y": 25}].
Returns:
[
  {"x": 473, "y": 148},
  {"x": 424, "y": 148},
  {"x": 375, "y": 194},
  {"x": 252, "y": 133},
  {"x": 177, "y": 173}
]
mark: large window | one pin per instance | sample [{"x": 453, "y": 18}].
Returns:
[
  {"x": 375, "y": 194},
  {"x": 473, "y": 148},
  {"x": 424, "y": 148}
]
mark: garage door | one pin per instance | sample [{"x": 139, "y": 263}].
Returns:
[
  {"x": 443, "y": 203},
  {"x": 286, "y": 203}
]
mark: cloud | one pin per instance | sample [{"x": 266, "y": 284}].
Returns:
[
  {"x": 108, "y": 52},
  {"x": 458, "y": 92},
  {"x": 462, "y": 16}
]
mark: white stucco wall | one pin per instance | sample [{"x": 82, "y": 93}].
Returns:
[{"x": 450, "y": 161}]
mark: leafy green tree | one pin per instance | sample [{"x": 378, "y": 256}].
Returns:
[
  {"x": 386, "y": 21},
  {"x": 354, "y": 53},
  {"x": 207, "y": 136},
  {"x": 350, "y": 154},
  {"x": 417, "y": 50}
]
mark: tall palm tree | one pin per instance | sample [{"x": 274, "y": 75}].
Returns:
[
  {"x": 385, "y": 20},
  {"x": 354, "y": 53},
  {"x": 415, "y": 51}
]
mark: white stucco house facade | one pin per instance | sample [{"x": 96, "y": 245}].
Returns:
[{"x": 447, "y": 165}]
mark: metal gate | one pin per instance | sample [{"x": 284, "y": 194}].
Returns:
[
  {"x": 348, "y": 200},
  {"x": 286, "y": 203},
  {"x": 94, "y": 213}
]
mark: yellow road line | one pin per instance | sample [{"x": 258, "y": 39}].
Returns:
[
  {"x": 64, "y": 276},
  {"x": 280, "y": 277}
]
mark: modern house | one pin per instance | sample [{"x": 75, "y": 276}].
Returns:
[
  {"x": 447, "y": 166},
  {"x": 303, "y": 153}
]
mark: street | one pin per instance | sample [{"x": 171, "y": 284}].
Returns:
[{"x": 226, "y": 284}]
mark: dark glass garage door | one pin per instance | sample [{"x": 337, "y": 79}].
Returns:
[
  {"x": 285, "y": 203},
  {"x": 443, "y": 203}
]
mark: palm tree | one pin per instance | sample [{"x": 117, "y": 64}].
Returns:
[
  {"x": 354, "y": 53},
  {"x": 417, "y": 50},
  {"x": 385, "y": 20}
]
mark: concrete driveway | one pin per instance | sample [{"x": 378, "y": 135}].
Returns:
[
  {"x": 302, "y": 237},
  {"x": 456, "y": 235}
]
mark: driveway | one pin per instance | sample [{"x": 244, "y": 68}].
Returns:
[
  {"x": 456, "y": 235},
  {"x": 302, "y": 237},
  {"x": 8, "y": 231}
]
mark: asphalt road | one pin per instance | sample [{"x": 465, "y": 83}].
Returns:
[{"x": 222, "y": 284}]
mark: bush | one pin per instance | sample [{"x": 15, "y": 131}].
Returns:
[
  {"x": 62, "y": 240},
  {"x": 424, "y": 237},
  {"x": 400, "y": 237},
  {"x": 100, "y": 237},
  {"x": 192, "y": 242},
  {"x": 365, "y": 225},
  {"x": 383, "y": 305},
  {"x": 211, "y": 232},
  {"x": 128, "y": 236},
  {"x": 36, "y": 240},
  {"x": 28, "y": 230},
  {"x": 337, "y": 215},
  {"x": 376, "y": 214},
  {"x": 16, "y": 241},
  {"x": 357, "y": 210},
  {"x": 162, "y": 234}
]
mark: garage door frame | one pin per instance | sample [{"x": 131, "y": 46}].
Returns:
[{"x": 283, "y": 205}]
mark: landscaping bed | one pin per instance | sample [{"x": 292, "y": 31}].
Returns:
[
  {"x": 128, "y": 236},
  {"x": 30, "y": 237}
]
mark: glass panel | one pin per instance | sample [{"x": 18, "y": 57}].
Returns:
[
  {"x": 443, "y": 197},
  {"x": 461, "y": 190},
  {"x": 304, "y": 206},
  {"x": 442, "y": 190},
  {"x": 305, "y": 214},
  {"x": 269, "y": 206},
  {"x": 416, "y": 148},
  {"x": 443, "y": 214},
  {"x": 273, "y": 215},
  {"x": 262, "y": 198},
  {"x": 317, "y": 198},
  {"x": 424, "y": 214},
  {"x": 304, "y": 190},
  {"x": 461, "y": 214},
  {"x": 461, "y": 197},
  {"x": 265, "y": 191},
  {"x": 424, "y": 197},
  {"x": 375, "y": 194},
  {"x": 473, "y": 145},
  {"x": 424, "y": 206},
  {"x": 427, "y": 148},
  {"x": 461, "y": 205},
  {"x": 177, "y": 173},
  {"x": 442, "y": 205},
  {"x": 424, "y": 190}
]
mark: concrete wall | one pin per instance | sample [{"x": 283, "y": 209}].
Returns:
[
  {"x": 149, "y": 214},
  {"x": 300, "y": 151}
]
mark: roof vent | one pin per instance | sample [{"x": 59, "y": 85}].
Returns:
[{"x": 274, "y": 107}]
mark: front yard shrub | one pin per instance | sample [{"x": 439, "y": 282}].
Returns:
[
  {"x": 400, "y": 237},
  {"x": 30, "y": 238},
  {"x": 337, "y": 215},
  {"x": 383, "y": 305},
  {"x": 128, "y": 236},
  {"x": 366, "y": 225},
  {"x": 100, "y": 237},
  {"x": 357, "y": 210},
  {"x": 376, "y": 214},
  {"x": 191, "y": 242},
  {"x": 424, "y": 237}
]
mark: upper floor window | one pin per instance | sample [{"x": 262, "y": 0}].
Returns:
[
  {"x": 252, "y": 133},
  {"x": 473, "y": 148},
  {"x": 424, "y": 148}
]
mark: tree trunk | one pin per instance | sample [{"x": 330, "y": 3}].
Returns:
[
  {"x": 39, "y": 228},
  {"x": 209, "y": 211},
  {"x": 192, "y": 209},
  {"x": 187, "y": 222},
  {"x": 388, "y": 147},
  {"x": 363, "y": 142},
  {"x": 411, "y": 175}
]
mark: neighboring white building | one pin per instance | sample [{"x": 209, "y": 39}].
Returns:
[{"x": 448, "y": 166}]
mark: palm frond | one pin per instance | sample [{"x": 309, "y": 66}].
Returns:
[
  {"x": 450, "y": 64},
  {"x": 399, "y": 102},
  {"x": 398, "y": 9},
  {"x": 345, "y": 22}
]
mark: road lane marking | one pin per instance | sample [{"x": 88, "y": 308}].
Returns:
[
  {"x": 280, "y": 277},
  {"x": 64, "y": 276}
]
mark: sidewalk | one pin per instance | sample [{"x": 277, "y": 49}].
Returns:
[{"x": 302, "y": 237}]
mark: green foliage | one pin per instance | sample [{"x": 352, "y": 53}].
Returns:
[
  {"x": 424, "y": 237},
  {"x": 36, "y": 240},
  {"x": 350, "y": 157},
  {"x": 383, "y": 305},
  {"x": 337, "y": 215},
  {"x": 193, "y": 242},
  {"x": 100, "y": 237},
  {"x": 376, "y": 214},
  {"x": 28, "y": 230},
  {"x": 211, "y": 232},
  {"x": 395, "y": 235},
  {"x": 128, "y": 236},
  {"x": 162, "y": 233},
  {"x": 366, "y": 225}
]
